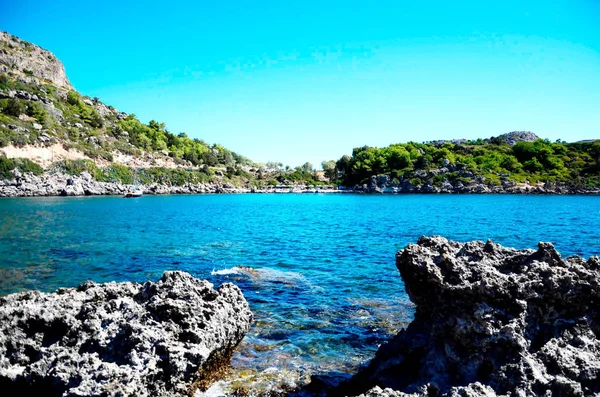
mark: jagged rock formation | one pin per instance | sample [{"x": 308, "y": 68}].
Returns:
[
  {"x": 127, "y": 339},
  {"x": 492, "y": 320},
  {"x": 32, "y": 61}
]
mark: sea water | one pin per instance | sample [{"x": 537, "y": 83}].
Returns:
[{"x": 317, "y": 269}]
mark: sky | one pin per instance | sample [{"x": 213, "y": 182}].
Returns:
[{"x": 297, "y": 81}]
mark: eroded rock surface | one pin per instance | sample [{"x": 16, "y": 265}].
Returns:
[
  {"x": 126, "y": 339},
  {"x": 22, "y": 56},
  {"x": 491, "y": 321}
]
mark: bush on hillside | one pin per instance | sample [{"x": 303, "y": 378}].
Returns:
[{"x": 23, "y": 165}]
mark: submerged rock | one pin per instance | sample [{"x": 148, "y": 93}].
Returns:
[
  {"x": 491, "y": 320},
  {"x": 126, "y": 339}
]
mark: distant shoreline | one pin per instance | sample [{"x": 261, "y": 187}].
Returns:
[{"x": 52, "y": 185}]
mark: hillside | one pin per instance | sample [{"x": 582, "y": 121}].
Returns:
[
  {"x": 48, "y": 128},
  {"x": 45, "y": 122},
  {"x": 513, "y": 160}
]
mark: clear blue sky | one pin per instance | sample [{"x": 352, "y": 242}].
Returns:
[{"x": 309, "y": 80}]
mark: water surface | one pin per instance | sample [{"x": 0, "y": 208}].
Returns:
[{"x": 317, "y": 270}]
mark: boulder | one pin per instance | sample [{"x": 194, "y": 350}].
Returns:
[
  {"x": 73, "y": 190},
  {"x": 492, "y": 319},
  {"x": 126, "y": 339}
]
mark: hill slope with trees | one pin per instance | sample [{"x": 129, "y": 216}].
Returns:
[
  {"x": 506, "y": 161},
  {"x": 47, "y": 127},
  {"x": 41, "y": 113}
]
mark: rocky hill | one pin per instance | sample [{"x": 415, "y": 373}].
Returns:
[
  {"x": 47, "y": 128},
  {"x": 31, "y": 63},
  {"x": 511, "y": 163},
  {"x": 39, "y": 109}
]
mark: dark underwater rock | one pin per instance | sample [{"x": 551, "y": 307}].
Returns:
[
  {"x": 491, "y": 320},
  {"x": 126, "y": 339}
]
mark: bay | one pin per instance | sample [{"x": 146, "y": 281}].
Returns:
[{"x": 317, "y": 269}]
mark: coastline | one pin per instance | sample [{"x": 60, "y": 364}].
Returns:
[{"x": 58, "y": 184}]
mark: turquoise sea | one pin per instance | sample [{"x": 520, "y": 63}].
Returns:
[{"x": 318, "y": 270}]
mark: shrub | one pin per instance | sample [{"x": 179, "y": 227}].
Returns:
[
  {"x": 416, "y": 182},
  {"x": 533, "y": 165},
  {"x": 73, "y": 98},
  {"x": 119, "y": 173},
  {"x": 23, "y": 165},
  {"x": 76, "y": 167},
  {"x": 13, "y": 107},
  {"x": 91, "y": 116},
  {"x": 36, "y": 110},
  {"x": 4, "y": 81}
]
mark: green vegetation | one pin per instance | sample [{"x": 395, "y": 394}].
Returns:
[
  {"x": 100, "y": 132},
  {"x": 539, "y": 161},
  {"x": 83, "y": 128},
  {"x": 124, "y": 174},
  {"x": 23, "y": 165},
  {"x": 155, "y": 137}
]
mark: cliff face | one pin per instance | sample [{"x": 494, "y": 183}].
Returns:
[
  {"x": 492, "y": 320},
  {"x": 31, "y": 61},
  {"x": 127, "y": 339}
]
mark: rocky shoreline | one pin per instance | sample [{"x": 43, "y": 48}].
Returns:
[
  {"x": 167, "y": 338},
  {"x": 491, "y": 321},
  {"x": 58, "y": 184}
]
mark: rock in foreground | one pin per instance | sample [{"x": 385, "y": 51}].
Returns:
[
  {"x": 492, "y": 320},
  {"x": 127, "y": 339}
]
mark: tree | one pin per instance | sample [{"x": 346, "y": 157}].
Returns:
[
  {"x": 595, "y": 152},
  {"x": 73, "y": 98},
  {"x": 533, "y": 165},
  {"x": 329, "y": 169},
  {"x": 344, "y": 165},
  {"x": 397, "y": 158},
  {"x": 307, "y": 167}
]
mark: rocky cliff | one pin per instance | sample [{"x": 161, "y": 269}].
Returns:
[
  {"x": 491, "y": 321},
  {"x": 32, "y": 63},
  {"x": 127, "y": 339},
  {"x": 44, "y": 120}
]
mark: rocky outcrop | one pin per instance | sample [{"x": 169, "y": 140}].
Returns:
[
  {"x": 58, "y": 184},
  {"x": 464, "y": 182},
  {"x": 127, "y": 339},
  {"x": 491, "y": 320},
  {"x": 517, "y": 136},
  {"x": 31, "y": 60}
]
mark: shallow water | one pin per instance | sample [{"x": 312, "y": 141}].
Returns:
[{"x": 317, "y": 270}]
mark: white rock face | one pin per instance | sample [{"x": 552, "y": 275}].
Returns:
[
  {"x": 127, "y": 339},
  {"x": 32, "y": 60}
]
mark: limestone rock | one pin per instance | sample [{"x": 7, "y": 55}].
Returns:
[
  {"x": 523, "y": 323},
  {"x": 126, "y": 339},
  {"x": 29, "y": 58},
  {"x": 518, "y": 136}
]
